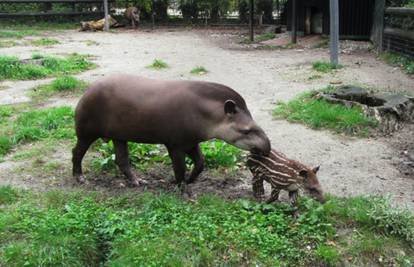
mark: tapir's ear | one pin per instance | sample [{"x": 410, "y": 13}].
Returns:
[
  {"x": 230, "y": 107},
  {"x": 316, "y": 169},
  {"x": 304, "y": 173}
]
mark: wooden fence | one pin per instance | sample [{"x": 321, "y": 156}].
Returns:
[{"x": 393, "y": 29}]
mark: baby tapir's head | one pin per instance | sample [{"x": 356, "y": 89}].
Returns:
[{"x": 311, "y": 184}]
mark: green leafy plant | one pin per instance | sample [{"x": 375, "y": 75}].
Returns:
[
  {"x": 158, "y": 64},
  {"x": 401, "y": 61},
  {"x": 325, "y": 67},
  {"x": 318, "y": 113},
  {"x": 199, "y": 70},
  {"x": 17, "y": 33}
]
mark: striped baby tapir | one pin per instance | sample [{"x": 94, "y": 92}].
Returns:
[{"x": 283, "y": 174}]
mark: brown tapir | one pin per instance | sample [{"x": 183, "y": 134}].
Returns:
[
  {"x": 132, "y": 14},
  {"x": 178, "y": 114}
]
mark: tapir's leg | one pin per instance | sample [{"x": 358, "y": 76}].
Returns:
[
  {"x": 78, "y": 153},
  {"x": 274, "y": 196},
  {"x": 178, "y": 161},
  {"x": 293, "y": 197},
  {"x": 198, "y": 160},
  {"x": 122, "y": 159},
  {"x": 133, "y": 23}
]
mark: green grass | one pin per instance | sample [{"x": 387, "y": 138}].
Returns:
[
  {"x": 11, "y": 68},
  {"x": 62, "y": 85},
  {"x": 264, "y": 37},
  {"x": 401, "y": 61},
  {"x": 34, "y": 27},
  {"x": 94, "y": 229},
  {"x": 199, "y": 70},
  {"x": 18, "y": 34},
  {"x": 217, "y": 155},
  {"x": 35, "y": 125},
  {"x": 44, "y": 42},
  {"x": 325, "y": 67},
  {"x": 158, "y": 64},
  {"x": 318, "y": 113},
  {"x": 259, "y": 38},
  {"x": 7, "y": 43}
]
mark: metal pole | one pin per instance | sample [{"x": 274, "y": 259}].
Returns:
[
  {"x": 106, "y": 26},
  {"x": 294, "y": 30},
  {"x": 334, "y": 31},
  {"x": 251, "y": 19}
]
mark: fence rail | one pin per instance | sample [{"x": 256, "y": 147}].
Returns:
[{"x": 402, "y": 11}]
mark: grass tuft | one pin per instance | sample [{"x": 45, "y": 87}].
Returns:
[
  {"x": 325, "y": 67},
  {"x": 401, "y": 61},
  {"x": 158, "y": 64},
  {"x": 34, "y": 125},
  {"x": 318, "y": 113},
  {"x": 13, "y": 69},
  {"x": 8, "y": 195},
  {"x": 199, "y": 70},
  {"x": 7, "y": 43},
  {"x": 17, "y": 33},
  {"x": 44, "y": 42},
  {"x": 61, "y": 85}
]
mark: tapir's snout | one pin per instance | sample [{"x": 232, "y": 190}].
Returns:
[{"x": 263, "y": 147}]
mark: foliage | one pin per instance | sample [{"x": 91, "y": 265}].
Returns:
[
  {"x": 265, "y": 36},
  {"x": 12, "y": 68},
  {"x": 44, "y": 42},
  {"x": 33, "y": 125},
  {"x": 215, "y": 8},
  {"x": 199, "y": 70},
  {"x": 318, "y": 113},
  {"x": 217, "y": 154},
  {"x": 62, "y": 84},
  {"x": 401, "y": 61},
  {"x": 325, "y": 67},
  {"x": 158, "y": 64},
  {"x": 93, "y": 229}
]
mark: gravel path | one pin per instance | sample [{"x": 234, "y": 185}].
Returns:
[{"x": 349, "y": 166}]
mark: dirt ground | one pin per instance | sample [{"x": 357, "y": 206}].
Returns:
[{"x": 349, "y": 166}]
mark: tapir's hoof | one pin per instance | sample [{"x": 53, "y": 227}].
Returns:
[
  {"x": 80, "y": 178},
  {"x": 296, "y": 214}
]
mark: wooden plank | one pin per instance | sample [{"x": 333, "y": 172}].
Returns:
[
  {"x": 399, "y": 33},
  {"x": 399, "y": 11},
  {"x": 51, "y": 1},
  {"x": 11, "y": 15}
]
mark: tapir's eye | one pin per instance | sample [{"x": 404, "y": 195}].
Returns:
[{"x": 245, "y": 131}]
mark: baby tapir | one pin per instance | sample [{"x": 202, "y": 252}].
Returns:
[
  {"x": 178, "y": 114},
  {"x": 283, "y": 173}
]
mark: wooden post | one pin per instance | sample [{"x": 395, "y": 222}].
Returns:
[
  {"x": 294, "y": 30},
  {"x": 378, "y": 25},
  {"x": 106, "y": 26},
  {"x": 334, "y": 31},
  {"x": 251, "y": 19}
]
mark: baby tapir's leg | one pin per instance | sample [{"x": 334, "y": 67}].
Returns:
[
  {"x": 258, "y": 188},
  {"x": 274, "y": 196},
  {"x": 293, "y": 197}
]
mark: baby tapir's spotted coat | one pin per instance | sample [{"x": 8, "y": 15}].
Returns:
[{"x": 283, "y": 173}]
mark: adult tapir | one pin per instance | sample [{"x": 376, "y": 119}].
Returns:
[{"x": 178, "y": 114}]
